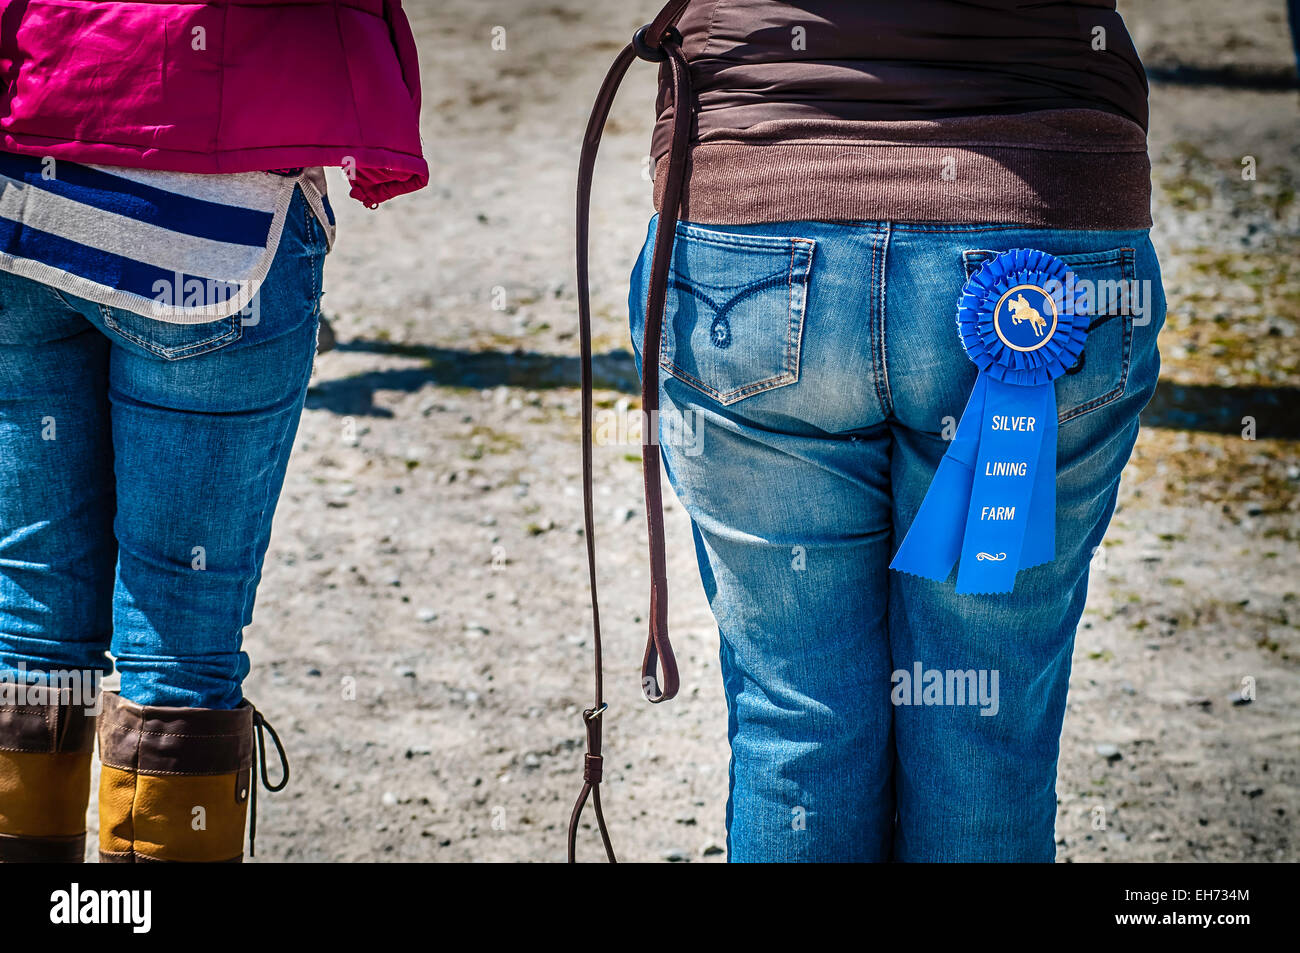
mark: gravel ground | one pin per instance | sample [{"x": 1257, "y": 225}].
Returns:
[{"x": 421, "y": 637}]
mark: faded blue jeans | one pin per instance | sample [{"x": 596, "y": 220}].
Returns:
[
  {"x": 140, "y": 465},
  {"x": 812, "y": 373}
]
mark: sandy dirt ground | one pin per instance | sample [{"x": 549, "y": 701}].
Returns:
[{"x": 421, "y": 639}]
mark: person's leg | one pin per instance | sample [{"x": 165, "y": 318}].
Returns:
[
  {"x": 774, "y": 442},
  {"x": 56, "y": 566},
  {"x": 976, "y": 774},
  {"x": 203, "y": 421},
  {"x": 202, "y": 434},
  {"x": 56, "y": 485}
]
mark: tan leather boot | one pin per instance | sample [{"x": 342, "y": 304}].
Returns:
[
  {"x": 175, "y": 782},
  {"x": 44, "y": 782}
]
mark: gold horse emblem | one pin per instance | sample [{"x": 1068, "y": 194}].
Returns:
[{"x": 1022, "y": 310}]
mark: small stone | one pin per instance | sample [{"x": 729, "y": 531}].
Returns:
[
  {"x": 712, "y": 850},
  {"x": 1109, "y": 752},
  {"x": 677, "y": 856},
  {"x": 1237, "y": 698},
  {"x": 389, "y": 799},
  {"x": 427, "y": 615}
]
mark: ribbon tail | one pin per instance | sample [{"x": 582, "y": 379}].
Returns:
[
  {"x": 1006, "y": 471},
  {"x": 1040, "y": 534},
  {"x": 933, "y": 541}
]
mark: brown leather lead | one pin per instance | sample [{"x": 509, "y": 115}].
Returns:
[{"x": 658, "y": 41}]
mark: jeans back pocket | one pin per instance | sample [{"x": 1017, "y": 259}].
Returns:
[
  {"x": 170, "y": 340},
  {"x": 1100, "y": 375},
  {"x": 733, "y": 320}
]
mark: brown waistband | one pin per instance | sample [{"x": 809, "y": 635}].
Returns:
[{"x": 1068, "y": 168}]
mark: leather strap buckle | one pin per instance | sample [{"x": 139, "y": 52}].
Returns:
[{"x": 653, "y": 53}]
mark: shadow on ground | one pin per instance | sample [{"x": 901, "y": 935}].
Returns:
[
  {"x": 1202, "y": 407},
  {"x": 471, "y": 370},
  {"x": 1229, "y": 77}
]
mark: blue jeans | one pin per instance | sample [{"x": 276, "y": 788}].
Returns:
[
  {"x": 811, "y": 375},
  {"x": 140, "y": 465}
]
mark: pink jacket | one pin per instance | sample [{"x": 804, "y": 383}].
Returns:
[{"x": 216, "y": 86}]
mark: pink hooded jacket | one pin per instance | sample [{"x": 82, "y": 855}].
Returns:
[{"x": 216, "y": 86}]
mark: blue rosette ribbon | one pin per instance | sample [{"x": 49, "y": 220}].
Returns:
[{"x": 992, "y": 505}]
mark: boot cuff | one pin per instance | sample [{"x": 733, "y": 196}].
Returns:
[
  {"x": 46, "y": 729},
  {"x": 150, "y": 739}
]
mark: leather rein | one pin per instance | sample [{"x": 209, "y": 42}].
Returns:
[{"x": 656, "y": 42}]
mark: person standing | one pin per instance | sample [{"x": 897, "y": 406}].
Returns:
[
  {"x": 844, "y": 172},
  {"x": 163, "y": 227}
]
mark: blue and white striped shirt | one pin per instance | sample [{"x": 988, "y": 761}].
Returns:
[{"x": 176, "y": 246}]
